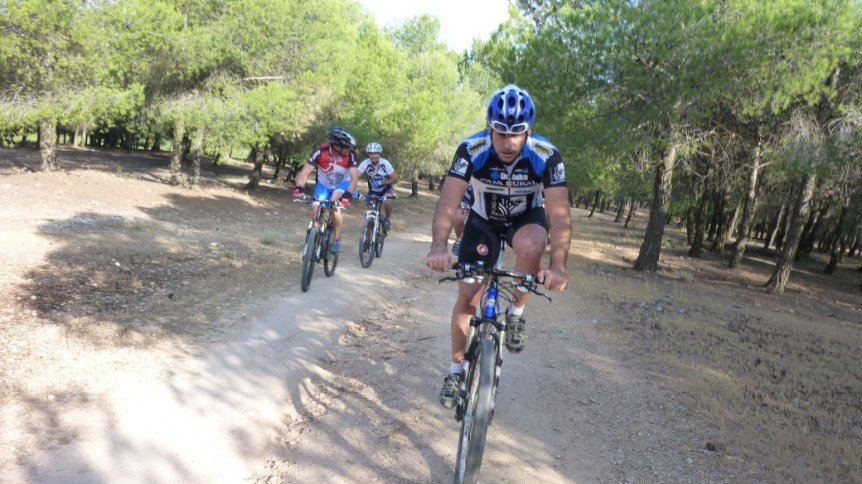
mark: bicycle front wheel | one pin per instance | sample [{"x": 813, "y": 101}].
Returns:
[
  {"x": 381, "y": 237},
  {"x": 330, "y": 259},
  {"x": 366, "y": 247},
  {"x": 308, "y": 259},
  {"x": 477, "y": 415}
]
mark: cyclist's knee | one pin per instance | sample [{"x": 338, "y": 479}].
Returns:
[
  {"x": 468, "y": 295},
  {"x": 530, "y": 243}
]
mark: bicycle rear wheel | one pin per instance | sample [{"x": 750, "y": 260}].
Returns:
[
  {"x": 330, "y": 259},
  {"x": 477, "y": 415},
  {"x": 308, "y": 258},
  {"x": 366, "y": 248}
]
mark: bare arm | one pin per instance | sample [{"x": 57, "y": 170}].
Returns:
[
  {"x": 442, "y": 222},
  {"x": 560, "y": 232},
  {"x": 444, "y": 214},
  {"x": 302, "y": 176},
  {"x": 354, "y": 179},
  {"x": 393, "y": 179}
]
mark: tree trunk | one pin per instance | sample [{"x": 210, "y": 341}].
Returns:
[
  {"x": 595, "y": 202},
  {"x": 414, "y": 185},
  {"x": 651, "y": 247},
  {"x": 258, "y": 159},
  {"x": 784, "y": 225},
  {"x": 806, "y": 243},
  {"x": 734, "y": 221},
  {"x": 48, "y": 144},
  {"x": 716, "y": 216},
  {"x": 603, "y": 205},
  {"x": 689, "y": 226},
  {"x": 431, "y": 183},
  {"x": 835, "y": 255},
  {"x": 157, "y": 142},
  {"x": 822, "y": 241},
  {"x": 177, "y": 153},
  {"x": 280, "y": 160},
  {"x": 195, "y": 151},
  {"x": 291, "y": 173},
  {"x": 699, "y": 222},
  {"x": 632, "y": 209},
  {"x": 721, "y": 223},
  {"x": 769, "y": 237},
  {"x": 128, "y": 140},
  {"x": 84, "y": 130},
  {"x": 748, "y": 208},
  {"x": 781, "y": 275},
  {"x": 621, "y": 207}
]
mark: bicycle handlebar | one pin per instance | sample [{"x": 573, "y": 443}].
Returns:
[
  {"x": 368, "y": 196},
  {"x": 467, "y": 271},
  {"x": 323, "y": 203}
]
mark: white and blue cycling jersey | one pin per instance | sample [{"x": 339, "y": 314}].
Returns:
[
  {"x": 501, "y": 191},
  {"x": 377, "y": 173},
  {"x": 467, "y": 199}
]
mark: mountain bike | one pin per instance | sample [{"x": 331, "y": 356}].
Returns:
[
  {"x": 373, "y": 232},
  {"x": 318, "y": 240},
  {"x": 475, "y": 404}
]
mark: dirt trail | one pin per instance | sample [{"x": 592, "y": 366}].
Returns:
[
  {"x": 176, "y": 381},
  {"x": 340, "y": 385},
  {"x": 570, "y": 409}
]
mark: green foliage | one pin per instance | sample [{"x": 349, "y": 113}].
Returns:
[
  {"x": 272, "y": 74},
  {"x": 612, "y": 80}
]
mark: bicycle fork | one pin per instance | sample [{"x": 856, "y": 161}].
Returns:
[
  {"x": 481, "y": 328},
  {"x": 374, "y": 214},
  {"x": 320, "y": 228}
]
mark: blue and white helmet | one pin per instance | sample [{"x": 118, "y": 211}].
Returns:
[
  {"x": 511, "y": 110},
  {"x": 373, "y": 148}
]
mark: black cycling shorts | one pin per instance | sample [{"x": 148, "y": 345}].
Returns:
[{"x": 481, "y": 238}]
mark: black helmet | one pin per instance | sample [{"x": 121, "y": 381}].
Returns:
[{"x": 341, "y": 137}]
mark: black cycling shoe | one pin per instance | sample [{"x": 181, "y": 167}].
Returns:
[
  {"x": 451, "y": 388},
  {"x": 387, "y": 225},
  {"x": 516, "y": 339}
]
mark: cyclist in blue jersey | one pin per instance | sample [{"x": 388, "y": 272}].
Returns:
[
  {"x": 381, "y": 178},
  {"x": 512, "y": 172}
]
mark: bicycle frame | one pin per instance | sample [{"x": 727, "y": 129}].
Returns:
[
  {"x": 321, "y": 218},
  {"x": 489, "y": 324},
  {"x": 374, "y": 211},
  {"x": 372, "y": 234},
  {"x": 477, "y": 395}
]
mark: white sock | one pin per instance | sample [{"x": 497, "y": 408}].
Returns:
[
  {"x": 459, "y": 367},
  {"x": 515, "y": 310}
]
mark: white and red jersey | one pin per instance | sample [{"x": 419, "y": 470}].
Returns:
[{"x": 332, "y": 169}]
